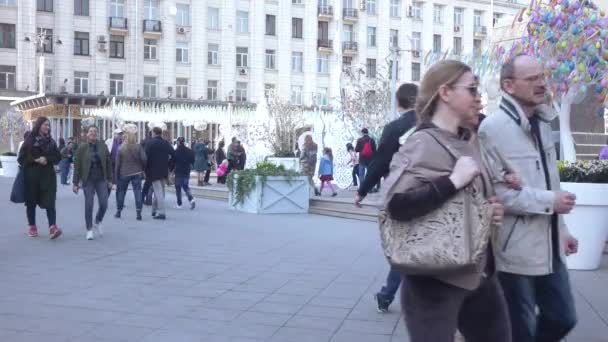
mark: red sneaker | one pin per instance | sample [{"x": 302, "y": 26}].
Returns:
[
  {"x": 33, "y": 232},
  {"x": 54, "y": 232}
]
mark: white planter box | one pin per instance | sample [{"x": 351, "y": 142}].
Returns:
[
  {"x": 288, "y": 163},
  {"x": 10, "y": 167},
  {"x": 588, "y": 222},
  {"x": 277, "y": 196}
]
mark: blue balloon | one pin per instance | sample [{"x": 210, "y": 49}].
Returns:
[{"x": 599, "y": 88}]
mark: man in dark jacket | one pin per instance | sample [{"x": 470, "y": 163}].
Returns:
[
  {"x": 366, "y": 147},
  {"x": 159, "y": 152},
  {"x": 379, "y": 167},
  {"x": 182, "y": 166}
]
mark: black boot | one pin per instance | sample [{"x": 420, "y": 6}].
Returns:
[
  {"x": 139, "y": 215},
  {"x": 117, "y": 215}
]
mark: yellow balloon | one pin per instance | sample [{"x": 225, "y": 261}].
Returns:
[
  {"x": 564, "y": 45},
  {"x": 598, "y": 45},
  {"x": 576, "y": 79}
]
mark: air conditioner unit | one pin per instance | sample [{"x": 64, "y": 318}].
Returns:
[
  {"x": 416, "y": 54},
  {"x": 101, "y": 47},
  {"x": 243, "y": 71},
  {"x": 181, "y": 30},
  {"x": 101, "y": 39},
  {"x": 456, "y": 28},
  {"x": 169, "y": 89},
  {"x": 410, "y": 12},
  {"x": 363, "y": 5}
]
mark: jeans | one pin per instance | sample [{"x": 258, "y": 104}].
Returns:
[
  {"x": 355, "y": 173},
  {"x": 387, "y": 293},
  {"x": 121, "y": 191},
  {"x": 51, "y": 215},
  {"x": 146, "y": 193},
  {"x": 90, "y": 188},
  {"x": 181, "y": 182},
  {"x": 551, "y": 294},
  {"x": 362, "y": 171},
  {"x": 158, "y": 203},
  {"x": 64, "y": 168}
]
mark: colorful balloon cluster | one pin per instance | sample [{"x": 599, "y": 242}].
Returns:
[{"x": 571, "y": 38}]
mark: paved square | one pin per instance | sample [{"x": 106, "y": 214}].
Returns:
[{"x": 209, "y": 275}]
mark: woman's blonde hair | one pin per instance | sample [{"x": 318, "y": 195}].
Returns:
[
  {"x": 130, "y": 138},
  {"x": 442, "y": 73}
]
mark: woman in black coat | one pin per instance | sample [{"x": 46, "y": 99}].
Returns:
[
  {"x": 38, "y": 157},
  {"x": 182, "y": 165}
]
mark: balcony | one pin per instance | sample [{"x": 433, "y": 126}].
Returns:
[
  {"x": 325, "y": 45},
  {"x": 152, "y": 28},
  {"x": 326, "y": 12},
  {"x": 481, "y": 31},
  {"x": 350, "y": 14},
  {"x": 349, "y": 48},
  {"x": 117, "y": 25}
]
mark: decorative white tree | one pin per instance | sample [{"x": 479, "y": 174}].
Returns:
[
  {"x": 282, "y": 127},
  {"x": 12, "y": 127}
]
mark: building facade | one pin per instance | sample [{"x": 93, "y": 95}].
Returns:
[{"x": 228, "y": 50}]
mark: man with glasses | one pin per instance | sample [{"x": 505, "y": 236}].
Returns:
[{"x": 530, "y": 247}]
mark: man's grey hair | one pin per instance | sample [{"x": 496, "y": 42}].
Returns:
[{"x": 508, "y": 69}]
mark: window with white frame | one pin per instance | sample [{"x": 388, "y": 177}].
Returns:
[
  {"x": 477, "y": 46},
  {"x": 81, "y": 82},
  {"x": 371, "y": 68},
  {"x": 347, "y": 62},
  {"x": 395, "y": 8},
  {"x": 213, "y": 54},
  {"x": 117, "y": 84},
  {"x": 417, "y": 10},
  {"x": 44, "y": 5},
  {"x": 182, "y": 52},
  {"x": 296, "y": 61},
  {"x": 81, "y": 43},
  {"x": 150, "y": 49},
  {"x": 7, "y": 36},
  {"x": 297, "y": 2},
  {"x": 271, "y": 25},
  {"x": 212, "y": 90},
  {"x": 81, "y": 7},
  {"x": 438, "y": 14},
  {"x": 117, "y": 8},
  {"x": 477, "y": 15},
  {"x": 416, "y": 40},
  {"x": 271, "y": 58},
  {"x": 371, "y": 36},
  {"x": 347, "y": 4},
  {"x": 7, "y": 76},
  {"x": 297, "y": 27},
  {"x": 268, "y": 89},
  {"x": 371, "y": 7},
  {"x": 117, "y": 46},
  {"x": 347, "y": 32},
  {"x": 242, "y": 22},
  {"x": 181, "y": 88},
  {"x": 183, "y": 15},
  {"x": 241, "y": 91},
  {"x": 437, "y": 43},
  {"x": 150, "y": 86},
  {"x": 8, "y": 2},
  {"x": 322, "y": 96},
  {"x": 242, "y": 57},
  {"x": 213, "y": 18},
  {"x": 323, "y": 63},
  {"x": 458, "y": 16},
  {"x": 415, "y": 72},
  {"x": 496, "y": 17},
  {"x": 48, "y": 80},
  {"x": 296, "y": 95},
  {"x": 394, "y": 38},
  {"x": 457, "y": 45},
  {"x": 151, "y": 9}
]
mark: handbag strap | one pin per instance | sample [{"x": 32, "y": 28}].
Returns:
[{"x": 450, "y": 151}]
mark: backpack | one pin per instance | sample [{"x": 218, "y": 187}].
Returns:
[
  {"x": 367, "y": 151},
  {"x": 406, "y": 135}
]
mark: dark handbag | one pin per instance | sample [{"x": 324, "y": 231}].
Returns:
[{"x": 18, "y": 191}]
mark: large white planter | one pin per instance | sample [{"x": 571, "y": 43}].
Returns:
[
  {"x": 10, "y": 167},
  {"x": 277, "y": 196},
  {"x": 288, "y": 163},
  {"x": 588, "y": 222}
]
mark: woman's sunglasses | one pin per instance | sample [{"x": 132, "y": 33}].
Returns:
[{"x": 473, "y": 89}]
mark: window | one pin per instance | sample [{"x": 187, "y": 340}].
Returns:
[
  {"x": 7, "y": 76},
  {"x": 44, "y": 5},
  {"x": 323, "y": 63},
  {"x": 81, "y": 7},
  {"x": 213, "y": 54},
  {"x": 47, "y": 43},
  {"x": 8, "y": 2},
  {"x": 296, "y": 95},
  {"x": 181, "y": 88},
  {"x": 117, "y": 47},
  {"x": 151, "y": 9},
  {"x": 347, "y": 61},
  {"x": 81, "y": 82},
  {"x": 182, "y": 53},
  {"x": 322, "y": 97},
  {"x": 371, "y": 36},
  {"x": 437, "y": 43},
  {"x": 241, "y": 91},
  {"x": 271, "y": 25},
  {"x": 371, "y": 7},
  {"x": 7, "y": 36},
  {"x": 81, "y": 43},
  {"x": 347, "y": 32},
  {"x": 394, "y": 38},
  {"x": 496, "y": 17},
  {"x": 213, "y": 18},
  {"x": 323, "y": 31},
  {"x": 395, "y": 8},
  {"x": 457, "y": 45},
  {"x": 211, "y": 90},
  {"x": 371, "y": 68},
  {"x": 458, "y": 16},
  {"x": 268, "y": 89},
  {"x": 117, "y": 8},
  {"x": 48, "y": 80},
  {"x": 438, "y": 14},
  {"x": 416, "y": 39},
  {"x": 297, "y": 2},
  {"x": 477, "y": 18},
  {"x": 150, "y": 49},
  {"x": 271, "y": 59},
  {"x": 242, "y": 22},
  {"x": 296, "y": 61},
  {"x": 296, "y": 28},
  {"x": 183, "y": 15},
  {"x": 149, "y": 86},
  {"x": 477, "y": 46},
  {"x": 242, "y": 56},
  {"x": 347, "y": 4},
  {"x": 415, "y": 72},
  {"x": 117, "y": 84},
  {"x": 417, "y": 10}
]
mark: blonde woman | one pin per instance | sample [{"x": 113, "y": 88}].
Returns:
[
  {"x": 424, "y": 176},
  {"x": 130, "y": 166}
]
